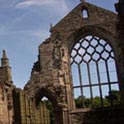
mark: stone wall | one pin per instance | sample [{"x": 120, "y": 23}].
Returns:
[
  {"x": 6, "y": 88},
  {"x": 120, "y": 31},
  {"x": 99, "y": 116},
  {"x": 4, "y": 117},
  {"x": 26, "y": 111}
]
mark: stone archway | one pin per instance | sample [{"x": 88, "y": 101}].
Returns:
[
  {"x": 109, "y": 37},
  {"x": 57, "y": 110}
]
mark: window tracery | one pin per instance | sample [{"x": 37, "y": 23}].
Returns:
[{"x": 94, "y": 72}]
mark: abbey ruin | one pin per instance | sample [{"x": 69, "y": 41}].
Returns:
[{"x": 83, "y": 61}]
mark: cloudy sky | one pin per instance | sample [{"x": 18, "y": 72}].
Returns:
[{"x": 24, "y": 24}]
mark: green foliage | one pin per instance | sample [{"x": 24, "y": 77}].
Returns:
[
  {"x": 87, "y": 102},
  {"x": 51, "y": 110},
  {"x": 112, "y": 99},
  {"x": 79, "y": 102},
  {"x": 82, "y": 102},
  {"x": 96, "y": 102}
]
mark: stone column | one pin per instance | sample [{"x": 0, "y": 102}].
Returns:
[{"x": 120, "y": 31}]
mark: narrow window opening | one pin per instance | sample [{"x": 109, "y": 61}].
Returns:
[
  {"x": 63, "y": 52},
  {"x": 85, "y": 13}
]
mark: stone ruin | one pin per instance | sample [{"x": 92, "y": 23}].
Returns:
[{"x": 52, "y": 75}]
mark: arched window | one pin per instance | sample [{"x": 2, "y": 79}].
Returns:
[
  {"x": 95, "y": 81},
  {"x": 84, "y": 13}
]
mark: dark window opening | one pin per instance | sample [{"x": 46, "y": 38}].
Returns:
[{"x": 95, "y": 81}]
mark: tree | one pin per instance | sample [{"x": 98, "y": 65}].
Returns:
[
  {"x": 113, "y": 97},
  {"x": 96, "y": 102},
  {"x": 82, "y": 102}
]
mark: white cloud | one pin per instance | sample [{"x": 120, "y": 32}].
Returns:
[
  {"x": 59, "y": 7},
  {"x": 28, "y": 3},
  {"x": 58, "y": 4}
]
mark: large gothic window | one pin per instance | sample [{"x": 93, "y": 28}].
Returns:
[{"x": 95, "y": 81}]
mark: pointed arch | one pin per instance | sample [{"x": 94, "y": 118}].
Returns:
[
  {"x": 94, "y": 72},
  {"x": 94, "y": 31},
  {"x": 43, "y": 92}
]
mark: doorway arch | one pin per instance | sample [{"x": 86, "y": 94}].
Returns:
[{"x": 57, "y": 110}]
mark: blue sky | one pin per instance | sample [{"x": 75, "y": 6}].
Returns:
[{"x": 24, "y": 24}]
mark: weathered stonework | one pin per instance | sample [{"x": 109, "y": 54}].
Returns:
[
  {"x": 51, "y": 75},
  {"x": 54, "y": 75},
  {"x": 6, "y": 88},
  {"x": 3, "y": 106},
  {"x": 26, "y": 111}
]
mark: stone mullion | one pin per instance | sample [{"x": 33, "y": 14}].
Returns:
[
  {"x": 22, "y": 108},
  {"x": 44, "y": 109},
  {"x": 41, "y": 113},
  {"x": 27, "y": 109},
  {"x": 120, "y": 31},
  {"x": 32, "y": 111}
]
